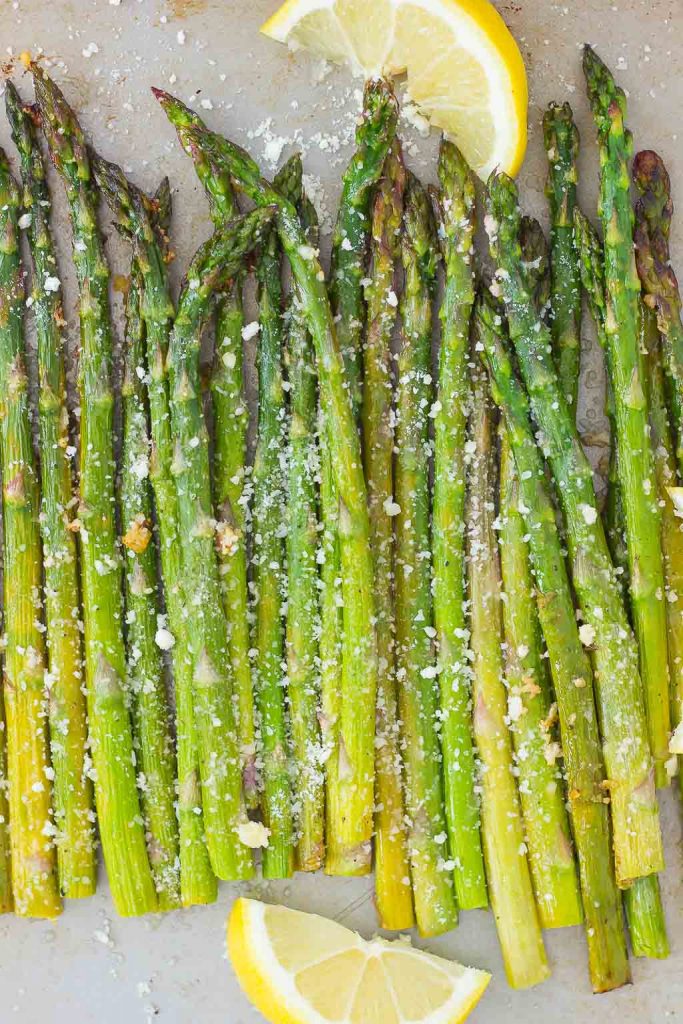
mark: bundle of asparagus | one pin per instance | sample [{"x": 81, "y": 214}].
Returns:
[{"x": 374, "y": 633}]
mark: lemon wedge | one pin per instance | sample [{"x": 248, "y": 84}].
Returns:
[
  {"x": 303, "y": 969},
  {"x": 464, "y": 69}
]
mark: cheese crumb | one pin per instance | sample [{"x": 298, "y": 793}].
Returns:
[
  {"x": 586, "y": 634},
  {"x": 253, "y": 834},
  {"x": 250, "y": 331},
  {"x": 164, "y": 639}
]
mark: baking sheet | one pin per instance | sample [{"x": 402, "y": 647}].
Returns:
[{"x": 90, "y": 966}]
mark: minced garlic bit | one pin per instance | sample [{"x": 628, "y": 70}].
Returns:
[{"x": 138, "y": 535}]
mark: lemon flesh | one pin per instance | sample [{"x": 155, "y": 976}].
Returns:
[
  {"x": 463, "y": 68},
  {"x": 300, "y": 968}
]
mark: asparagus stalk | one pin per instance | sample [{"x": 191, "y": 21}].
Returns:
[
  {"x": 72, "y": 788},
  {"x": 152, "y": 738},
  {"x": 140, "y": 219},
  {"x": 374, "y": 135},
  {"x": 642, "y": 900},
  {"x": 644, "y": 909},
  {"x": 592, "y": 271},
  {"x": 231, "y": 419},
  {"x": 571, "y": 670},
  {"x": 213, "y": 267},
  {"x": 546, "y": 824},
  {"x": 33, "y": 854},
  {"x": 672, "y": 534},
  {"x": 269, "y": 548},
  {"x": 456, "y": 211},
  {"x": 359, "y": 676},
  {"x": 435, "y": 906},
  {"x": 536, "y": 257},
  {"x": 653, "y": 223},
  {"x": 530, "y": 709},
  {"x": 6, "y": 899},
  {"x": 507, "y": 868},
  {"x": 116, "y": 796},
  {"x": 303, "y": 616},
  {"x": 635, "y": 463},
  {"x": 392, "y": 869},
  {"x": 561, "y": 139},
  {"x": 637, "y": 836}
]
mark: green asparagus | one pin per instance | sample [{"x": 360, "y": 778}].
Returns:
[
  {"x": 374, "y": 136},
  {"x": 456, "y": 234},
  {"x": 637, "y": 835},
  {"x": 269, "y": 548},
  {"x": 72, "y": 788},
  {"x": 231, "y": 478},
  {"x": 149, "y": 709},
  {"x": 392, "y": 869},
  {"x": 303, "y": 613},
  {"x": 635, "y": 462},
  {"x": 433, "y": 892},
  {"x": 653, "y": 224},
  {"x": 642, "y": 900},
  {"x": 570, "y": 667},
  {"x": 507, "y": 868},
  {"x": 6, "y": 899},
  {"x": 529, "y": 699},
  {"x": 359, "y": 676},
  {"x": 116, "y": 795},
  {"x": 536, "y": 257},
  {"x": 33, "y": 853},
  {"x": 211, "y": 270},
  {"x": 139, "y": 219},
  {"x": 561, "y": 139},
  {"x": 592, "y": 271}
]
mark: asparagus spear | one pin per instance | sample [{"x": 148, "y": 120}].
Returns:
[
  {"x": 672, "y": 534},
  {"x": 213, "y": 267},
  {"x": 642, "y": 900},
  {"x": 570, "y": 666},
  {"x": 644, "y": 909},
  {"x": 635, "y": 462},
  {"x": 592, "y": 272},
  {"x": 637, "y": 836},
  {"x": 303, "y": 616},
  {"x": 456, "y": 234},
  {"x": 374, "y": 136},
  {"x": 116, "y": 796},
  {"x": 507, "y": 868},
  {"x": 435, "y": 906},
  {"x": 72, "y": 788},
  {"x": 6, "y": 899},
  {"x": 231, "y": 419},
  {"x": 33, "y": 854},
  {"x": 529, "y": 709},
  {"x": 269, "y": 549},
  {"x": 392, "y": 870},
  {"x": 561, "y": 139},
  {"x": 140, "y": 219},
  {"x": 152, "y": 738},
  {"x": 536, "y": 257},
  {"x": 653, "y": 222},
  {"x": 359, "y": 677}
]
